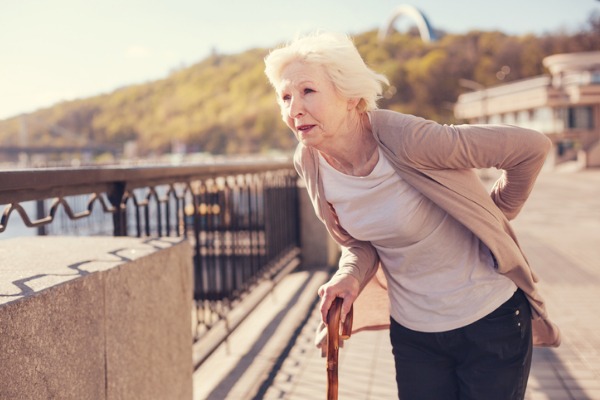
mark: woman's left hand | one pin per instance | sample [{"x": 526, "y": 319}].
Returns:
[{"x": 344, "y": 286}]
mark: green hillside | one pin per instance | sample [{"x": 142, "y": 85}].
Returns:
[{"x": 224, "y": 105}]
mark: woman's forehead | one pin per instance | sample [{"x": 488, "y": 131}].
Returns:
[{"x": 298, "y": 72}]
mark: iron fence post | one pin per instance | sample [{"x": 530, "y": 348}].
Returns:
[{"x": 115, "y": 196}]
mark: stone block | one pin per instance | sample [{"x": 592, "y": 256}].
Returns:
[
  {"x": 52, "y": 343},
  {"x": 318, "y": 249},
  {"x": 149, "y": 340},
  {"x": 95, "y": 318}
]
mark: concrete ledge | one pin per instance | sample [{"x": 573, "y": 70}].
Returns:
[
  {"x": 318, "y": 248},
  {"x": 590, "y": 158},
  {"x": 95, "y": 318}
]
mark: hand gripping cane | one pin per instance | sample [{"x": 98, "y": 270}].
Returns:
[{"x": 333, "y": 344}]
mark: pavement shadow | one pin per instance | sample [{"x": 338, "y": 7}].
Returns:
[{"x": 224, "y": 387}]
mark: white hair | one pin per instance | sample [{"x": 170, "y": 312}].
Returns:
[{"x": 339, "y": 57}]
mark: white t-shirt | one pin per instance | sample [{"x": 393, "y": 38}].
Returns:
[{"x": 440, "y": 275}]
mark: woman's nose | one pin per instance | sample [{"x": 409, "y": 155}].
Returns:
[{"x": 296, "y": 109}]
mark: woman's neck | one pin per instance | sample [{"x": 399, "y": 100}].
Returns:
[{"x": 356, "y": 153}]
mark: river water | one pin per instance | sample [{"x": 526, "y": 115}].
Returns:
[
  {"x": 98, "y": 223},
  {"x": 16, "y": 227}
]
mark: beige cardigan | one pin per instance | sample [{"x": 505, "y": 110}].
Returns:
[{"x": 439, "y": 161}]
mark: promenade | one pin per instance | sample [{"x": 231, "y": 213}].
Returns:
[{"x": 559, "y": 228}]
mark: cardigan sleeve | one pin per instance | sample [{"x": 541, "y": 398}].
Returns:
[{"x": 519, "y": 152}]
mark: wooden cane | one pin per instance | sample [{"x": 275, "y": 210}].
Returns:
[{"x": 333, "y": 344}]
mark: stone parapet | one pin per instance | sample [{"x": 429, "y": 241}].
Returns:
[
  {"x": 318, "y": 249},
  {"x": 95, "y": 318}
]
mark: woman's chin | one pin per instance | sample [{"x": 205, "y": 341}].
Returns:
[
  {"x": 307, "y": 139},
  {"x": 309, "y": 142},
  {"x": 302, "y": 138}
]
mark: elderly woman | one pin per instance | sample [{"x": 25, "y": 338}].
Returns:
[{"x": 399, "y": 192}]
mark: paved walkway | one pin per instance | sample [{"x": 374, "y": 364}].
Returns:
[{"x": 559, "y": 229}]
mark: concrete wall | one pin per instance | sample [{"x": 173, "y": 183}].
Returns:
[
  {"x": 95, "y": 318},
  {"x": 318, "y": 249},
  {"x": 590, "y": 158}
]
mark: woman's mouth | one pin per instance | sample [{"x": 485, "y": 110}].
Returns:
[{"x": 304, "y": 128}]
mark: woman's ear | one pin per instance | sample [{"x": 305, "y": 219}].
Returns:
[{"x": 352, "y": 103}]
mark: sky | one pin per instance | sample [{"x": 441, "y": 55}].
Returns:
[{"x": 56, "y": 50}]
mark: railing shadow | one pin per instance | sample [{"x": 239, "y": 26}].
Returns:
[
  {"x": 224, "y": 387},
  {"x": 26, "y": 288}
]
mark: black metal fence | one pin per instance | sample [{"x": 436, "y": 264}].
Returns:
[{"x": 240, "y": 217}]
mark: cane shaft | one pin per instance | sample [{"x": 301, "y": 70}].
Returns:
[
  {"x": 333, "y": 346},
  {"x": 333, "y": 343}
]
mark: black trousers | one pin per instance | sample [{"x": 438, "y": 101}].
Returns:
[{"x": 488, "y": 359}]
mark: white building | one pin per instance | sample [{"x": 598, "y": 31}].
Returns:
[{"x": 564, "y": 105}]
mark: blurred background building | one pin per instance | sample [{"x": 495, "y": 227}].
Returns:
[{"x": 565, "y": 105}]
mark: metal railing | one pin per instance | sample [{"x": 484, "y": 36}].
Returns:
[{"x": 240, "y": 217}]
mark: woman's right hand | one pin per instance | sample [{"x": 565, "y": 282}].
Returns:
[{"x": 344, "y": 286}]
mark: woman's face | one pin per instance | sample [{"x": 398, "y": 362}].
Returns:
[{"x": 311, "y": 106}]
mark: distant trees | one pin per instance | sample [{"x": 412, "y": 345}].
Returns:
[{"x": 224, "y": 105}]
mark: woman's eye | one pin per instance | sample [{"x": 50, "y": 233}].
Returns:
[
  {"x": 308, "y": 90},
  {"x": 286, "y": 97}
]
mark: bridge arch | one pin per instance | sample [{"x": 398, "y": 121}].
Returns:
[{"x": 425, "y": 29}]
